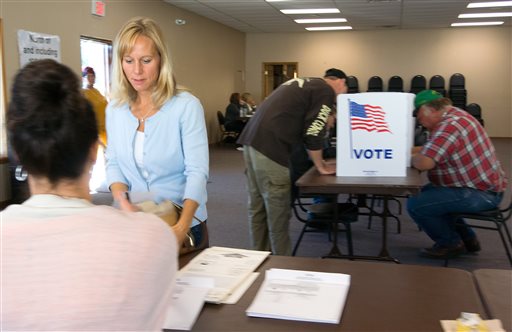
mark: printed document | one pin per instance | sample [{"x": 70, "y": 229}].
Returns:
[
  {"x": 187, "y": 301},
  {"x": 301, "y": 295},
  {"x": 228, "y": 267}
]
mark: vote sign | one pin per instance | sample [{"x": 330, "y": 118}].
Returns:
[{"x": 375, "y": 133}]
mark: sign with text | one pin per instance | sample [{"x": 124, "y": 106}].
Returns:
[
  {"x": 37, "y": 46},
  {"x": 375, "y": 134}
]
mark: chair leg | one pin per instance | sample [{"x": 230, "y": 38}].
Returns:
[
  {"x": 501, "y": 225},
  {"x": 348, "y": 230},
  {"x": 299, "y": 239}
]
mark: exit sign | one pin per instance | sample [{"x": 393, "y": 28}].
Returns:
[{"x": 98, "y": 7}]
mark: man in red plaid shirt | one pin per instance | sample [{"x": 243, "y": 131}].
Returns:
[{"x": 464, "y": 173}]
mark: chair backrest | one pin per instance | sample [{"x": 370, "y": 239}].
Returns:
[
  {"x": 457, "y": 80},
  {"x": 352, "y": 84},
  {"x": 437, "y": 84},
  {"x": 475, "y": 110},
  {"x": 418, "y": 83},
  {"x": 375, "y": 84},
  {"x": 221, "y": 119},
  {"x": 396, "y": 84}
]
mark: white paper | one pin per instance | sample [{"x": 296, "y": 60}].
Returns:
[
  {"x": 187, "y": 301},
  {"x": 241, "y": 289},
  {"x": 228, "y": 267},
  {"x": 301, "y": 295}
]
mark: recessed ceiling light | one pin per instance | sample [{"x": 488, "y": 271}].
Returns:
[
  {"x": 490, "y": 4},
  {"x": 468, "y": 24},
  {"x": 328, "y": 28},
  {"x": 480, "y": 15},
  {"x": 320, "y": 20},
  {"x": 310, "y": 11}
]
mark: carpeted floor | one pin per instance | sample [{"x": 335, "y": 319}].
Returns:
[{"x": 228, "y": 225}]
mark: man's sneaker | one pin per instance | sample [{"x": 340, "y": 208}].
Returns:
[
  {"x": 472, "y": 245},
  {"x": 437, "y": 251}
]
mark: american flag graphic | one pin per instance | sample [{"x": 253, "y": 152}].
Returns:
[{"x": 367, "y": 117}]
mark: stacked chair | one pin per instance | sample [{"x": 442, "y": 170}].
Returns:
[
  {"x": 457, "y": 91},
  {"x": 375, "y": 84},
  {"x": 352, "y": 84},
  {"x": 418, "y": 83},
  {"x": 396, "y": 84},
  {"x": 476, "y": 111},
  {"x": 437, "y": 84}
]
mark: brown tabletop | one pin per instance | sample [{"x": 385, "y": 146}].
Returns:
[
  {"x": 495, "y": 286},
  {"x": 382, "y": 297},
  {"x": 313, "y": 182}
]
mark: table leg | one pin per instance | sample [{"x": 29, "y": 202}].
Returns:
[
  {"x": 384, "y": 249},
  {"x": 335, "y": 250}
]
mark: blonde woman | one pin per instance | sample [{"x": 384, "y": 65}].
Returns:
[{"x": 157, "y": 139}]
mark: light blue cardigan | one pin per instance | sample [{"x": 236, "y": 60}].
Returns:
[{"x": 175, "y": 151}]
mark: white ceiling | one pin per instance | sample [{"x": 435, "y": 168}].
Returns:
[{"x": 262, "y": 16}]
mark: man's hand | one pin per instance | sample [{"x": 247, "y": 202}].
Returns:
[{"x": 327, "y": 169}]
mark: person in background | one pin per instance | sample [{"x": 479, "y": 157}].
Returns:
[
  {"x": 157, "y": 139},
  {"x": 69, "y": 265},
  {"x": 296, "y": 112},
  {"x": 233, "y": 114},
  {"x": 98, "y": 102},
  {"x": 464, "y": 172},
  {"x": 247, "y": 101}
]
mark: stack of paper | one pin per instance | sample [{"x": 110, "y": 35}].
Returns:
[
  {"x": 232, "y": 271},
  {"x": 301, "y": 295}
]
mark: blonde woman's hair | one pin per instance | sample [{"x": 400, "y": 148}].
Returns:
[{"x": 165, "y": 86}]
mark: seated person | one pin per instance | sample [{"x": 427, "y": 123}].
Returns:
[
  {"x": 232, "y": 118},
  {"x": 68, "y": 264},
  {"x": 248, "y": 102},
  {"x": 464, "y": 172}
]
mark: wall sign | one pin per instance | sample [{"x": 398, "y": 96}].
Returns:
[{"x": 36, "y": 46}]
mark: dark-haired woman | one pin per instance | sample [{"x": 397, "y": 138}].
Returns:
[
  {"x": 233, "y": 122},
  {"x": 67, "y": 264}
]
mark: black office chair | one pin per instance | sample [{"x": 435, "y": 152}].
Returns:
[
  {"x": 457, "y": 90},
  {"x": 375, "y": 84},
  {"x": 225, "y": 133},
  {"x": 396, "y": 84},
  {"x": 476, "y": 111},
  {"x": 320, "y": 217},
  {"x": 437, "y": 84},
  {"x": 418, "y": 84},
  {"x": 352, "y": 84},
  {"x": 498, "y": 222}
]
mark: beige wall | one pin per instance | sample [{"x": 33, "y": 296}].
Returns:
[
  {"x": 208, "y": 57},
  {"x": 482, "y": 55}
]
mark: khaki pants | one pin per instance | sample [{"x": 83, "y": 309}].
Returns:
[{"x": 269, "y": 203}]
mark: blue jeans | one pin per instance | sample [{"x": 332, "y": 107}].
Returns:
[{"x": 431, "y": 209}]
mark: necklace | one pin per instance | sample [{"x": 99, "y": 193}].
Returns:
[{"x": 145, "y": 116}]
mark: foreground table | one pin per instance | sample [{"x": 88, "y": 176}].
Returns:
[
  {"x": 312, "y": 182},
  {"x": 382, "y": 297},
  {"x": 495, "y": 286}
]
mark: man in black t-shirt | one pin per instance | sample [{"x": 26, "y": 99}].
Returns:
[{"x": 296, "y": 112}]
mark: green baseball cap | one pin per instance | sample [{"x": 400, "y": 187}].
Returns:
[{"x": 426, "y": 96}]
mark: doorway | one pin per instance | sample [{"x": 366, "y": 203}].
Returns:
[{"x": 276, "y": 73}]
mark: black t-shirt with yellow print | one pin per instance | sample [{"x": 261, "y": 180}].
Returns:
[{"x": 295, "y": 112}]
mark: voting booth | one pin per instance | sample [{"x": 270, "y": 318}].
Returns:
[{"x": 375, "y": 133}]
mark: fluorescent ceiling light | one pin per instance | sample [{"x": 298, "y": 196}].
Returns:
[
  {"x": 320, "y": 20},
  {"x": 311, "y": 11},
  {"x": 467, "y": 24},
  {"x": 329, "y": 28},
  {"x": 490, "y": 4},
  {"x": 480, "y": 15}
]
